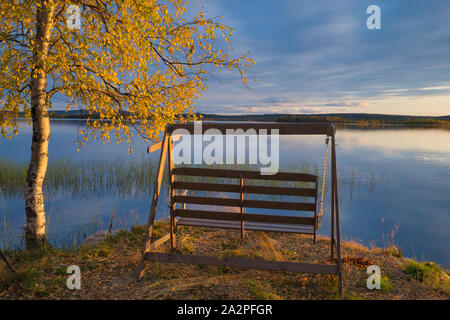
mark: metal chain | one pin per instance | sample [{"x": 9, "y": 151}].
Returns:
[{"x": 324, "y": 177}]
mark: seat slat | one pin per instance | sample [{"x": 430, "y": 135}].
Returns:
[
  {"x": 254, "y": 226},
  {"x": 250, "y": 217},
  {"x": 261, "y": 204},
  {"x": 226, "y": 173},
  {"x": 234, "y": 188}
]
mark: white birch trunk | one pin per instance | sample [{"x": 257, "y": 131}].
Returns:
[{"x": 34, "y": 198}]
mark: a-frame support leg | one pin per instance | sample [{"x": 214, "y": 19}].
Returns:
[
  {"x": 8, "y": 264},
  {"x": 151, "y": 217},
  {"x": 335, "y": 198},
  {"x": 173, "y": 239},
  {"x": 316, "y": 218}
]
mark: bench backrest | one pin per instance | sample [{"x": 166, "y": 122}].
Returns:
[{"x": 243, "y": 188}]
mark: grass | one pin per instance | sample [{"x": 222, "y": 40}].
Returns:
[
  {"x": 261, "y": 290},
  {"x": 393, "y": 250},
  {"x": 109, "y": 270},
  {"x": 84, "y": 178},
  {"x": 386, "y": 284},
  {"x": 429, "y": 273}
]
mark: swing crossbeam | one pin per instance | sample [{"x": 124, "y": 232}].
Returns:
[{"x": 237, "y": 218}]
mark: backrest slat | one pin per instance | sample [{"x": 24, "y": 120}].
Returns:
[
  {"x": 234, "y": 188},
  {"x": 208, "y": 201},
  {"x": 200, "y": 186},
  {"x": 225, "y": 173}
]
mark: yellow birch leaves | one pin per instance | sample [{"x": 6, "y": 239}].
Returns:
[{"x": 134, "y": 65}]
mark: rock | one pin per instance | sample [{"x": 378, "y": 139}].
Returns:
[
  {"x": 135, "y": 227},
  {"x": 97, "y": 238}
]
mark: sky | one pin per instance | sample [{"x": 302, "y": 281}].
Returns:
[{"x": 320, "y": 57}]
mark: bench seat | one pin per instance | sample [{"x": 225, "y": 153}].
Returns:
[{"x": 249, "y": 225}]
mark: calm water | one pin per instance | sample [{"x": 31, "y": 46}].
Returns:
[{"x": 396, "y": 175}]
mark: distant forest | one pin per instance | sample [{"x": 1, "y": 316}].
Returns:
[
  {"x": 348, "y": 118},
  {"x": 344, "y": 118}
]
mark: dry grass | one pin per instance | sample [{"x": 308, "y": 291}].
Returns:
[{"x": 109, "y": 270}]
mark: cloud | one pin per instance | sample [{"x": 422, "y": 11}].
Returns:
[
  {"x": 438, "y": 88},
  {"x": 278, "y": 100},
  {"x": 364, "y": 104},
  {"x": 347, "y": 104},
  {"x": 321, "y": 55},
  {"x": 283, "y": 105}
]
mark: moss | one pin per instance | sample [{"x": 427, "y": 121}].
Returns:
[
  {"x": 61, "y": 271},
  {"x": 260, "y": 291},
  {"x": 197, "y": 233},
  {"x": 422, "y": 271},
  {"x": 229, "y": 244},
  {"x": 386, "y": 285},
  {"x": 353, "y": 296},
  {"x": 428, "y": 272},
  {"x": 393, "y": 251}
]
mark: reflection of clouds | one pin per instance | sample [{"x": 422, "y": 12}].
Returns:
[
  {"x": 430, "y": 141},
  {"x": 363, "y": 140},
  {"x": 423, "y": 145},
  {"x": 433, "y": 157},
  {"x": 422, "y": 157},
  {"x": 390, "y": 154}
]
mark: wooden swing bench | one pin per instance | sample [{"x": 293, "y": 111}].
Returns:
[{"x": 237, "y": 183}]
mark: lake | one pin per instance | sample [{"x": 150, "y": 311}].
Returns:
[{"x": 392, "y": 179}]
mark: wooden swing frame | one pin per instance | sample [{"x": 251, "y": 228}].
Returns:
[{"x": 284, "y": 128}]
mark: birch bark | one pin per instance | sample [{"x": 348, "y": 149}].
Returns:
[{"x": 34, "y": 198}]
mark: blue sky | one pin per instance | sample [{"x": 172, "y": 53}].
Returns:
[{"x": 319, "y": 56}]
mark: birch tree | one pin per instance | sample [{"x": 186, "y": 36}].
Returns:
[{"x": 133, "y": 65}]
